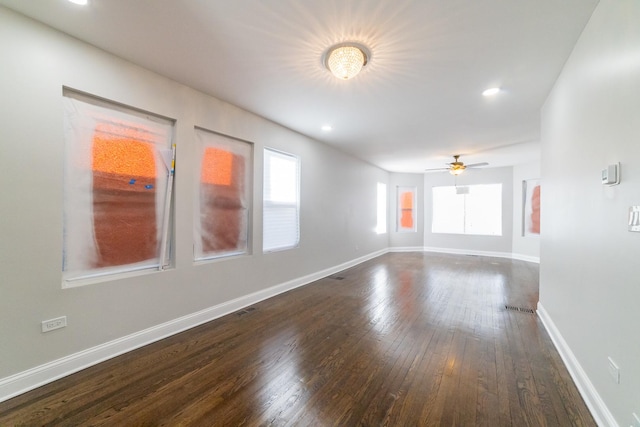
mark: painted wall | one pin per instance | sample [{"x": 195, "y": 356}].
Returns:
[
  {"x": 525, "y": 248},
  {"x": 589, "y": 269},
  {"x": 403, "y": 239},
  {"x": 337, "y": 213},
  {"x": 497, "y": 245}
]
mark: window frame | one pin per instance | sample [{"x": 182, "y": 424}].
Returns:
[
  {"x": 400, "y": 190},
  {"x": 217, "y": 140},
  {"x": 83, "y": 115}
]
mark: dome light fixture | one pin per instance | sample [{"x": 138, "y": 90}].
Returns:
[
  {"x": 456, "y": 167},
  {"x": 345, "y": 60},
  {"x": 457, "y": 170}
]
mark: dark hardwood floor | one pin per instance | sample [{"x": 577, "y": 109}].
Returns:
[{"x": 406, "y": 339}]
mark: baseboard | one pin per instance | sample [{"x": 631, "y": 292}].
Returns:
[
  {"x": 30, "y": 379},
  {"x": 407, "y": 249},
  {"x": 508, "y": 255},
  {"x": 594, "y": 402},
  {"x": 527, "y": 258},
  {"x": 468, "y": 252}
]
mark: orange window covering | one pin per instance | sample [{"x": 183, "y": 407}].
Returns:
[
  {"x": 217, "y": 167},
  {"x": 535, "y": 207},
  {"x": 124, "y": 196},
  {"x": 406, "y": 209},
  {"x": 122, "y": 154},
  {"x": 221, "y": 197}
]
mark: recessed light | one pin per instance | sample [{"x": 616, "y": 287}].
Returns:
[
  {"x": 327, "y": 128},
  {"x": 80, "y": 2},
  {"x": 492, "y": 91}
]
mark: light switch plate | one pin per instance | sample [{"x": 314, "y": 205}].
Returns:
[{"x": 634, "y": 218}]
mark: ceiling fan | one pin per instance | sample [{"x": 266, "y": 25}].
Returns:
[{"x": 457, "y": 167}]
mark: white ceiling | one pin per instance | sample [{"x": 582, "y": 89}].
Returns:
[{"x": 415, "y": 104}]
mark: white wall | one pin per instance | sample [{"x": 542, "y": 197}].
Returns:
[
  {"x": 524, "y": 248},
  {"x": 589, "y": 266},
  {"x": 487, "y": 245},
  {"x": 406, "y": 240},
  {"x": 338, "y": 196}
]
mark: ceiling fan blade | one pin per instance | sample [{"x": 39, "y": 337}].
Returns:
[
  {"x": 436, "y": 169},
  {"x": 475, "y": 165}
]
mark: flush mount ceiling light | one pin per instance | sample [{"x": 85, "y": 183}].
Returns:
[
  {"x": 345, "y": 60},
  {"x": 80, "y": 2}
]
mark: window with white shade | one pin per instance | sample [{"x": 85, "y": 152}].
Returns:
[
  {"x": 281, "y": 201},
  {"x": 473, "y": 209}
]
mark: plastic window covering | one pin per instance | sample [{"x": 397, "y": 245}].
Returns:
[
  {"x": 117, "y": 164},
  {"x": 406, "y": 216},
  {"x": 222, "y": 203},
  {"x": 281, "y": 201}
]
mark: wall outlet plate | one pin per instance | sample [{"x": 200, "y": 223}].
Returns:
[{"x": 51, "y": 324}]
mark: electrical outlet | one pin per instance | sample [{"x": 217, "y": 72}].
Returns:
[
  {"x": 51, "y": 324},
  {"x": 614, "y": 370}
]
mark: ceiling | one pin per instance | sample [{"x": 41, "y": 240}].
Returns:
[{"x": 416, "y": 103}]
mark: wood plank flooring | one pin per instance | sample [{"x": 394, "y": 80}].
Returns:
[{"x": 406, "y": 339}]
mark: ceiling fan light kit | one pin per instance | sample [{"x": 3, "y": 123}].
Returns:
[{"x": 457, "y": 167}]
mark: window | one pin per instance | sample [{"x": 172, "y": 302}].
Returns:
[
  {"x": 381, "y": 223},
  {"x": 118, "y": 177},
  {"x": 281, "y": 201},
  {"x": 221, "y": 222},
  {"x": 406, "y": 215},
  {"x": 474, "y": 209}
]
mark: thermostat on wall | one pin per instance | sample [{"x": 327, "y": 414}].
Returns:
[{"x": 611, "y": 175}]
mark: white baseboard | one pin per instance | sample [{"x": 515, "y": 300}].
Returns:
[
  {"x": 594, "y": 402},
  {"x": 32, "y": 378},
  {"x": 528, "y": 258},
  {"x": 407, "y": 249},
  {"x": 508, "y": 255},
  {"x": 468, "y": 252}
]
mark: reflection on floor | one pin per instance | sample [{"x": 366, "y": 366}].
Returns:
[{"x": 406, "y": 339}]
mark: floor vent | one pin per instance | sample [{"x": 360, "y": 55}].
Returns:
[
  {"x": 245, "y": 311},
  {"x": 336, "y": 277},
  {"x": 520, "y": 309}
]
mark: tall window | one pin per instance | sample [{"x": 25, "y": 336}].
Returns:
[
  {"x": 281, "y": 201},
  {"x": 473, "y": 209},
  {"x": 381, "y": 209},
  {"x": 221, "y": 223},
  {"x": 406, "y": 214},
  {"x": 118, "y": 172}
]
